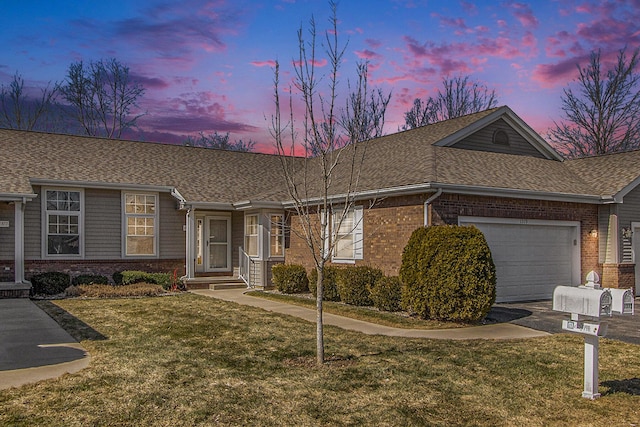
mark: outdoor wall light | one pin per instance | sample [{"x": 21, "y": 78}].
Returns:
[{"x": 593, "y": 233}]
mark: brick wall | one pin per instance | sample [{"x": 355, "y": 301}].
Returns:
[
  {"x": 389, "y": 224},
  {"x": 618, "y": 276},
  {"x": 103, "y": 267},
  {"x": 448, "y": 207}
]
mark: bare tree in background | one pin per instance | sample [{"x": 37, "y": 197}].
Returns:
[
  {"x": 363, "y": 116},
  {"x": 219, "y": 141},
  {"x": 102, "y": 97},
  {"x": 459, "y": 98},
  {"x": 330, "y": 163},
  {"x": 20, "y": 111},
  {"x": 603, "y": 115}
]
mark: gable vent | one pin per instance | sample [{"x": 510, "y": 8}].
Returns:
[{"x": 500, "y": 137}]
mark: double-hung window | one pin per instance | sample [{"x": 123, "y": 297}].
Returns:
[
  {"x": 348, "y": 234},
  {"x": 141, "y": 224},
  {"x": 276, "y": 236},
  {"x": 63, "y": 222}
]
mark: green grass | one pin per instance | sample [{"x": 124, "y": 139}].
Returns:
[
  {"x": 188, "y": 360},
  {"x": 367, "y": 314}
]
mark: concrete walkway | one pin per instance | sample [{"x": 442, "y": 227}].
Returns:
[
  {"x": 33, "y": 347},
  {"x": 498, "y": 331}
]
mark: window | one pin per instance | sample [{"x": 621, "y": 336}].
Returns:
[
  {"x": 62, "y": 216},
  {"x": 276, "y": 238},
  {"x": 140, "y": 215},
  {"x": 251, "y": 235},
  {"x": 348, "y": 235}
]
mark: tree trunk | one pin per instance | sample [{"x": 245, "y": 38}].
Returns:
[{"x": 319, "y": 322}]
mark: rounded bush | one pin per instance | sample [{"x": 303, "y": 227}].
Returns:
[
  {"x": 51, "y": 283},
  {"x": 90, "y": 279},
  {"x": 329, "y": 283},
  {"x": 448, "y": 274},
  {"x": 290, "y": 278},
  {"x": 386, "y": 294},
  {"x": 354, "y": 283}
]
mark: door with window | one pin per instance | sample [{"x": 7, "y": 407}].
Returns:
[{"x": 217, "y": 243}]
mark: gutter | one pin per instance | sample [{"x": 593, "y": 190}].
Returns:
[{"x": 426, "y": 206}]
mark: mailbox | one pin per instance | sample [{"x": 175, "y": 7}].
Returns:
[
  {"x": 582, "y": 300},
  {"x": 622, "y": 301}
]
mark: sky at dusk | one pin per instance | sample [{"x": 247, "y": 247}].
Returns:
[{"x": 208, "y": 65}]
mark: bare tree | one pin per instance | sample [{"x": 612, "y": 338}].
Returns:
[
  {"x": 323, "y": 180},
  {"x": 20, "y": 111},
  {"x": 460, "y": 97},
  {"x": 363, "y": 116},
  {"x": 603, "y": 115},
  {"x": 219, "y": 141},
  {"x": 102, "y": 96}
]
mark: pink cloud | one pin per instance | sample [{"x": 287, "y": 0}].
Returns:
[
  {"x": 373, "y": 43},
  {"x": 524, "y": 14},
  {"x": 267, "y": 63},
  {"x": 549, "y": 75},
  {"x": 469, "y": 7},
  {"x": 367, "y": 54}
]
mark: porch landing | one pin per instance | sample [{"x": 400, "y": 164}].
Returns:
[
  {"x": 215, "y": 283},
  {"x": 14, "y": 290}
]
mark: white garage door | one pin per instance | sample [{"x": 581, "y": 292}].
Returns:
[{"x": 531, "y": 257}]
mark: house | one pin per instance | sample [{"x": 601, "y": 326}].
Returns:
[{"x": 82, "y": 204}]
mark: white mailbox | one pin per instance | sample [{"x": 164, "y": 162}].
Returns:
[
  {"x": 582, "y": 300},
  {"x": 622, "y": 301}
]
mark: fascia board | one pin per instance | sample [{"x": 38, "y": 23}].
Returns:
[
  {"x": 459, "y": 189},
  {"x": 16, "y": 197},
  {"x": 102, "y": 185},
  {"x": 257, "y": 204}
]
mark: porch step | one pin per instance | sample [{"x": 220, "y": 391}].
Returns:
[
  {"x": 14, "y": 290},
  {"x": 215, "y": 283}
]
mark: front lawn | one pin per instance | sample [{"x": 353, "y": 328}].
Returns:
[{"x": 188, "y": 360}]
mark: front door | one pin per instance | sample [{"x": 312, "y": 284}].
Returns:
[{"x": 217, "y": 243}]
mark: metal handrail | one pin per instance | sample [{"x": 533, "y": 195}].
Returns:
[{"x": 246, "y": 267}]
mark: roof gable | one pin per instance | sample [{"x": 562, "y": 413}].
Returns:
[{"x": 478, "y": 135}]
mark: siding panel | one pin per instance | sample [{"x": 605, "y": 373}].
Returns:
[
  {"x": 33, "y": 227},
  {"x": 171, "y": 228},
  {"x": 483, "y": 141},
  {"x": 7, "y": 235},
  {"x": 102, "y": 224},
  {"x": 628, "y": 212}
]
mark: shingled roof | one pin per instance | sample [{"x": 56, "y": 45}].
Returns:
[
  {"x": 199, "y": 174},
  {"x": 409, "y": 159}
]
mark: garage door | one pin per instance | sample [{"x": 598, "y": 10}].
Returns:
[{"x": 531, "y": 257}]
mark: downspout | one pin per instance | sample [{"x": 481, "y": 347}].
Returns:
[
  {"x": 190, "y": 244},
  {"x": 427, "y": 203},
  {"x": 19, "y": 208}
]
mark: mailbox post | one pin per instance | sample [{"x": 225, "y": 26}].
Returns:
[{"x": 586, "y": 304}]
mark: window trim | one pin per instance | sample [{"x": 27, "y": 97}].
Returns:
[
  {"x": 257, "y": 235},
  {"x": 156, "y": 222},
  {"x": 356, "y": 234},
  {"x": 281, "y": 234},
  {"x": 44, "y": 213}
]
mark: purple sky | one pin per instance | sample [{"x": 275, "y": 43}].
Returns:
[{"x": 208, "y": 65}]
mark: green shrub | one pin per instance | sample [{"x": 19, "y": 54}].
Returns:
[
  {"x": 132, "y": 276},
  {"x": 448, "y": 274},
  {"x": 353, "y": 284},
  {"x": 51, "y": 283},
  {"x": 386, "y": 294},
  {"x": 90, "y": 279},
  {"x": 117, "y": 278},
  {"x": 329, "y": 283},
  {"x": 290, "y": 278}
]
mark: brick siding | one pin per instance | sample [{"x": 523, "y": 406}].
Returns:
[{"x": 389, "y": 224}]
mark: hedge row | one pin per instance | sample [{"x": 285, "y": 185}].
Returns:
[
  {"x": 447, "y": 273},
  {"x": 54, "y": 283}
]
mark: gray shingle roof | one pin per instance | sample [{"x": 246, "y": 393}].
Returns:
[
  {"x": 199, "y": 174},
  {"x": 404, "y": 159}
]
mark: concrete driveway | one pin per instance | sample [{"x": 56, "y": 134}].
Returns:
[
  {"x": 539, "y": 315},
  {"x": 33, "y": 346}
]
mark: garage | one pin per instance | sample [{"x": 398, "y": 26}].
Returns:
[{"x": 532, "y": 257}]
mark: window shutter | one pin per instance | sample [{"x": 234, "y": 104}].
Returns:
[{"x": 358, "y": 234}]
